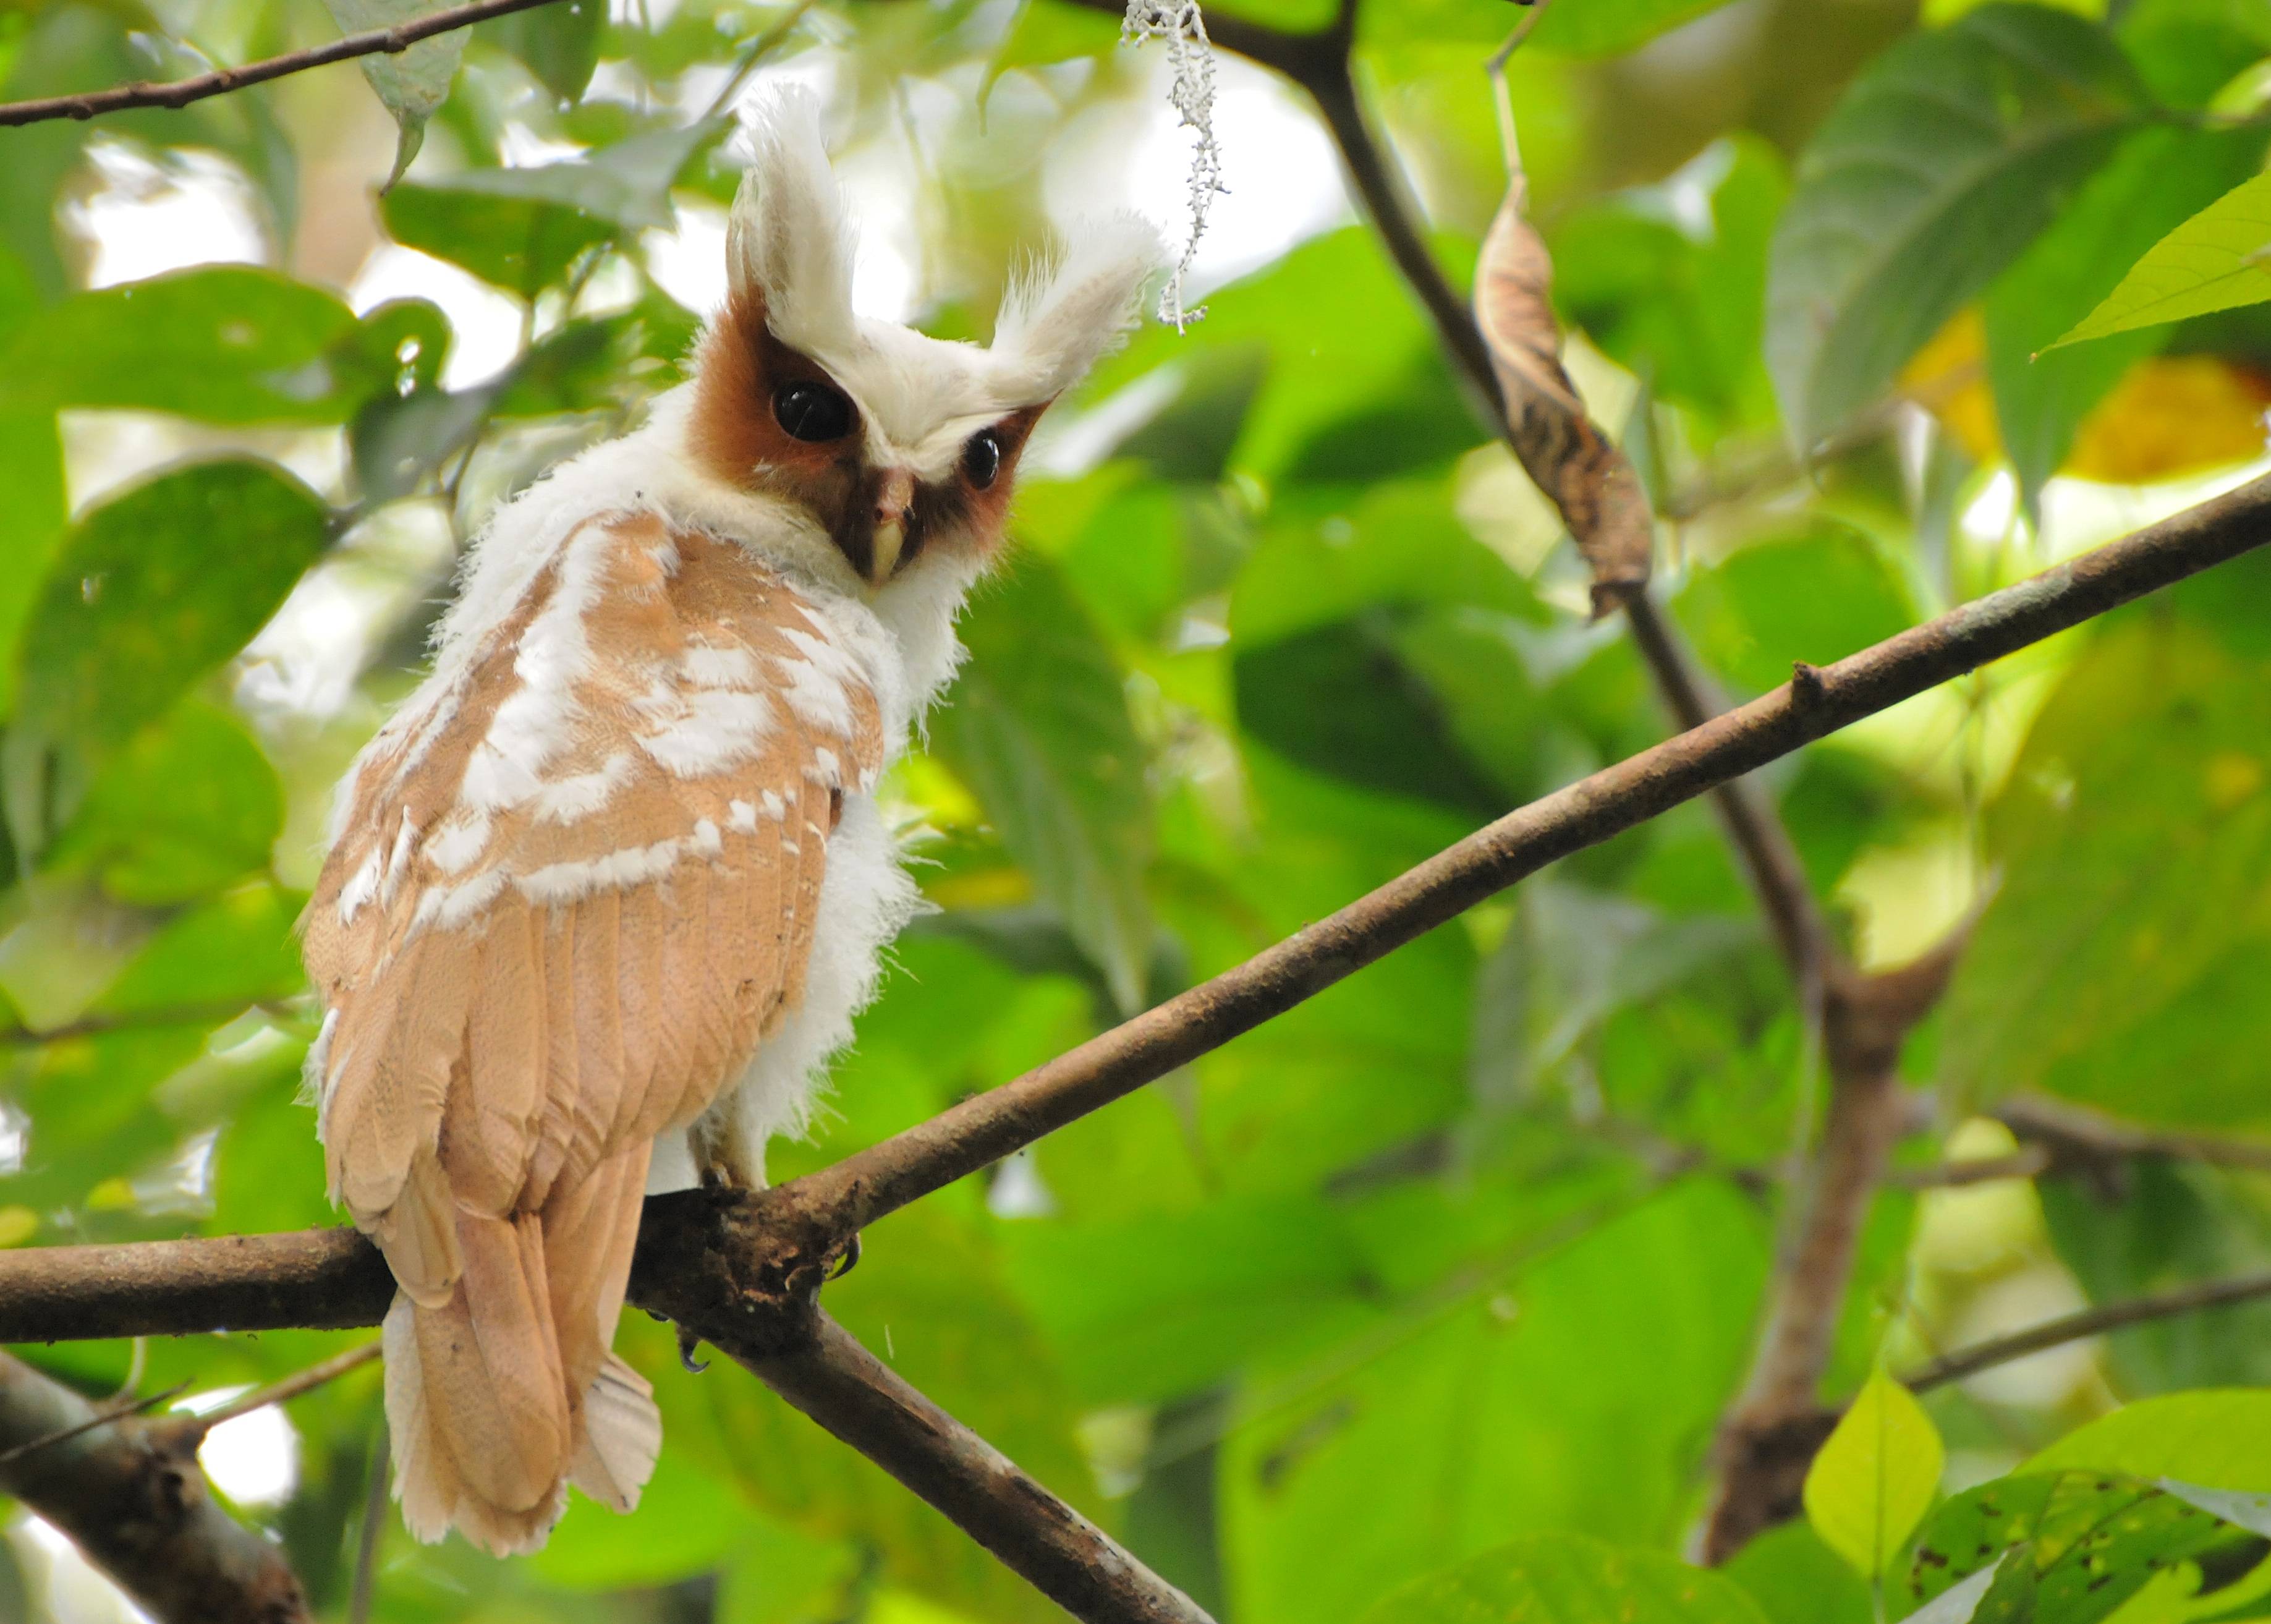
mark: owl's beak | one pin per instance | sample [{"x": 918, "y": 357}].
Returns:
[{"x": 895, "y": 497}]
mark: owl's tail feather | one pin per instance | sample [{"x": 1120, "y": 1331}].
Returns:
[{"x": 500, "y": 1396}]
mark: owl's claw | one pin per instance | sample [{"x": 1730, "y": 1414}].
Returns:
[
  {"x": 850, "y": 1261},
  {"x": 687, "y": 1343}
]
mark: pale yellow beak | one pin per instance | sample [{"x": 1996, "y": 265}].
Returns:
[{"x": 895, "y": 495}]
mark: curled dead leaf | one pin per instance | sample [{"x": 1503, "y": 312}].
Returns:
[{"x": 1564, "y": 452}]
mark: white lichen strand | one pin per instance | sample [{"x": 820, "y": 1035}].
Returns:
[{"x": 1178, "y": 22}]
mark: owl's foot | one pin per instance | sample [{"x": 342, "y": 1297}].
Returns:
[
  {"x": 687, "y": 1343},
  {"x": 848, "y": 1261}
]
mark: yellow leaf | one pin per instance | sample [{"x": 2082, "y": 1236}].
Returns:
[
  {"x": 1875, "y": 1478},
  {"x": 1949, "y": 378},
  {"x": 2168, "y": 416}
]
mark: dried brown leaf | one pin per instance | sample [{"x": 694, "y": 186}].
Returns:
[{"x": 1565, "y": 452}]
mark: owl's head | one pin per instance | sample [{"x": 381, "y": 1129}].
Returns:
[{"x": 900, "y": 446}]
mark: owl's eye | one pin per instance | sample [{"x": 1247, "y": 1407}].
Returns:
[
  {"x": 981, "y": 458},
  {"x": 813, "y": 412}
]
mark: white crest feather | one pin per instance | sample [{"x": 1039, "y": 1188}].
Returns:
[
  {"x": 1056, "y": 323},
  {"x": 789, "y": 236}
]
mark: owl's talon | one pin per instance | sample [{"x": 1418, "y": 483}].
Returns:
[
  {"x": 848, "y": 1262},
  {"x": 687, "y": 1343}
]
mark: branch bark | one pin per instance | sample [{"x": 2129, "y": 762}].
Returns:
[
  {"x": 181, "y": 92},
  {"x": 130, "y": 1494},
  {"x": 777, "y": 1245},
  {"x": 2087, "y": 1322}
]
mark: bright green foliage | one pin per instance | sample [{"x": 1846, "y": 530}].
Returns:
[
  {"x": 412, "y": 83},
  {"x": 1873, "y": 1482},
  {"x": 2212, "y": 262},
  {"x": 1423, "y": 1302},
  {"x": 2071, "y": 1547},
  {"x": 2134, "y": 824},
  {"x": 1563, "y": 1579},
  {"x": 1876, "y": 250}
]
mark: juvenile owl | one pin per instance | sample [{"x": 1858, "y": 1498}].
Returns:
[{"x": 604, "y": 896}]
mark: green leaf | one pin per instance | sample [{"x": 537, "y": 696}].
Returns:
[
  {"x": 1567, "y": 1579},
  {"x": 152, "y": 590},
  {"x": 1049, "y": 31},
  {"x": 2159, "y": 176},
  {"x": 1819, "y": 596},
  {"x": 1319, "y": 372},
  {"x": 189, "y": 806},
  {"x": 1576, "y": 1393},
  {"x": 222, "y": 344},
  {"x": 1944, "y": 160},
  {"x": 2079, "y": 1544},
  {"x": 1676, "y": 298},
  {"x": 688, "y": 1522},
  {"x": 558, "y": 44},
  {"x": 412, "y": 83},
  {"x": 96, "y": 1105},
  {"x": 2214, "y": 261},
  {"x": 2114, "y": 965},
  {"x": 33, "y": 522},
  {"x": 1795, "y": 1579},
  {"x": 1876, "y": 1477},
  {"x": 2177, "y": 1223},
  {"x": 1153, "y": 1309},
  {"x": 522, "y": 243},
  {"x": 2220, "y": 1440},
  {"x": 1037, "y": 727}
]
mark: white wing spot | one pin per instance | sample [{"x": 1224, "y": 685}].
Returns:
[{"x": 741, "y": 816}]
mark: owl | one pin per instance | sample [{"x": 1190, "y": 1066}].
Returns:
[{"x": 605, "y": 895}]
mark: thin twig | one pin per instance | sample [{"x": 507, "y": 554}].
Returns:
[
  {"x": 2069, "y": 1133},
  {"x": 117, "y": 1410},
  {"x": 2087, "y": 1322},
  {"x": 282, "y": 1391},
  {"x": 2026, "y": 1164},
  {"x": 181, "y": 92}
]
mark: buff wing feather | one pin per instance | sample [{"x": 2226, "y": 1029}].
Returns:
[{"x": 576, "y": 883}]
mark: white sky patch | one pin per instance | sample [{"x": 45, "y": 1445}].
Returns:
[
  {"x": 690, "y": 263},
  {"x": 253, "y": 1459},
  {"x": 1989, "y": 515},
  {"x": 1283, "y": 177},
  {"x": 485, "y": 322},
  {"x": 148, "y": 218}
]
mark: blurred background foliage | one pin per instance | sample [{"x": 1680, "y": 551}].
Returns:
[{"x": 1468, "y": 1250}]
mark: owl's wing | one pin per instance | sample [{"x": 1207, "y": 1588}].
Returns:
[{"x": 576, "y": 883}]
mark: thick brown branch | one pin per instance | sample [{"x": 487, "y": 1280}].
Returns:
[
  {"x": 323, "y": 1277},
  {"x": 220, "y": 81},
  {"x": 133, "y": 1500},
  {"x": 855, "y": 1395},
  {"x": 2087, "y": 1322}
]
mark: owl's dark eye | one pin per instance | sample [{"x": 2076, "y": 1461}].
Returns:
[
  {"x": 981, "y": 458},
  {"x": 813, "y": 412}
]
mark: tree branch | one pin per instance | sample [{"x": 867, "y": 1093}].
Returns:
[
  {"x": 2083, "y": 1141},
  {"x": 220, "y": 81},
  {"x": 2087, "y": 1322},
  {"x": 853, "y": 1394},
  {"x": 744, "y": 1273},
  {"x": 130, "y": 1497},
  {"x": 332, "y": 1278}
]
